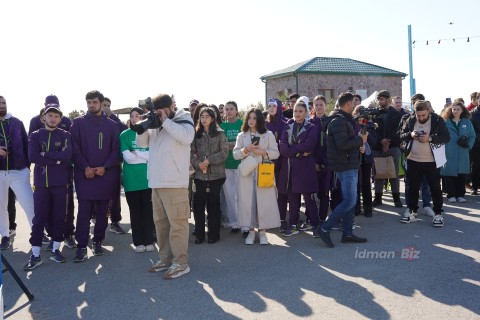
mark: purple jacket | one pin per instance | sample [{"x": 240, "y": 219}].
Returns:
[
  {"x": 36, "y": 124},
  {"x": 96, "y": 143},
  {"x": 296, "y": 169},
  {"x": 277, "y": 129},
  {"x": 51, "y": 169},
  {"x": 13, "y": 137}
]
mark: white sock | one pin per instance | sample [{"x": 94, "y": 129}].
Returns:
[
  {"x": 56, "y": 246},
  {"x": 36, "y": 251}
]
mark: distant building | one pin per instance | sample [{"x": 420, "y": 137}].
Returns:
[{"x": 330, "y": 77}]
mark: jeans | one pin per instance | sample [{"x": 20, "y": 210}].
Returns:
[{"x": 345, "y": 209}]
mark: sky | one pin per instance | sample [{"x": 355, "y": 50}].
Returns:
[{"x": 216, "y": 51}]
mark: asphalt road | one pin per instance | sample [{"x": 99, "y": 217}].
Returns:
[{"x": 297, "y": 277}]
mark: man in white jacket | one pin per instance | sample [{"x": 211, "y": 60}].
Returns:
[{"x": 168, "y": 173}]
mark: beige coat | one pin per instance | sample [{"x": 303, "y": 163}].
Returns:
[{"x": 256, "y": 206}]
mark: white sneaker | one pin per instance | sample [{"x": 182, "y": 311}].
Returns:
[
  {"x": 461, "y": 200},
  {"x": 250, "y": 238},
  {"x": 428, "y": 211},
  {"x": 149, "y": 248},
  {"x": 409, "y": 217},
  {"x": 438, "y": 221},
  {"x": 140, "y": 248},
  {"x": 452, "y": 200},
  {"x": 263, "y": 237},
  {"x": 176, "y": 271}
]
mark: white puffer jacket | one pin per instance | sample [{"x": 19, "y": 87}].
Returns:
[{"x": 169, "y": 160}]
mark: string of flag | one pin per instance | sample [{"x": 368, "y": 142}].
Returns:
[{"x": 439, "y": 41}]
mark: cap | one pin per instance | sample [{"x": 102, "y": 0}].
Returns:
[
  {"x": 53, "y": 108},
  {"x": 194, "y": 101},
  {"x": 52, "y": 99},
  {"x": 383, "y": 93}
]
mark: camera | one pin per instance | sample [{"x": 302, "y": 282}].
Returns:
[{"x": 149, "y": 120}]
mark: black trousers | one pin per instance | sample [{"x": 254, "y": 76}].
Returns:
[
  {"x": 475, "y": 167},
  {"x": 455, "y": 186},
  {"x": 415, "y": 171},
  {"x": 12, "y": 210},
  {"x": 364, "y": 186},
  {"x": 212, "y": 199},
  {"x": 141, "y": 216}
]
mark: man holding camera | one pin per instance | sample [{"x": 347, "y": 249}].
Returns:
[
  {"x": 343, "y": 153},
  {"x": 419, "y": 130},
  {"x": 168, "y": 174},
  {"x": 388, "y": 144}
]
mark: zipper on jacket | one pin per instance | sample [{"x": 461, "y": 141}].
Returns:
[
  {"x": 46, "y": 166},
  {"x": 6, "y": 144}
]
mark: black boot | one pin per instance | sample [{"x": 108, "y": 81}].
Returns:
[
  {"x": 396, "y": 200},
  {"x": 378, "y": 199},
  {"x": 368, "y": 211}
]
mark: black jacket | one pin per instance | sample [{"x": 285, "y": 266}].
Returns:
[
  {"x": 342, "y": 143},
  {"x": 387, "y": 127},
  {"x": 476, "y": 125},
  {"x": 438, "y": 131}
]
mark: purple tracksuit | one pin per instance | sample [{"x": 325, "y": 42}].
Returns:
[
  {"x": 96, "y": 143},
  {"x": 51, "y": 152},
  {"x": 297, "y": 174}
]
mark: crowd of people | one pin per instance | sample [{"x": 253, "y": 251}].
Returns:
[{"x": 206, "y": 159}]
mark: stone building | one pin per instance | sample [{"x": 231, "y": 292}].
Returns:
[{"x": 330, "y": 77}]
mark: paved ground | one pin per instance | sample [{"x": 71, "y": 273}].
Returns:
[{"x": 295, "y": 277}]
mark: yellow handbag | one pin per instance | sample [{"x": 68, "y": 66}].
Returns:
[{"x": 266, "y": 177}]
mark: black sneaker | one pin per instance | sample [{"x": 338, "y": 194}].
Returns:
[
  {"x": 32, "y": 263},
  {"x": 245, "y": 233},
  {"x": 97, "y": 249},
  {"x": 353, "y": 239},
  {"x": 5, "y": 244},
  {"x": 57, "y": 256},
  {"x": 235, "y": 230},
  {"x": 325, "y": 236},
  {"x": 283, "y": 226},
  {"x": 474, "y": 192},
  {"x": 45, "y": 239},
  {"x": 80, "y": 255},
  {"x": 116, "y": 228},
  {"x": 377, "y": 202},
  {"x": 70, "y": 242},
  {"x": 50, "y": 246}
]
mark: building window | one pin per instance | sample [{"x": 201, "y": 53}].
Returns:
[{"x": 327, "y": 93}]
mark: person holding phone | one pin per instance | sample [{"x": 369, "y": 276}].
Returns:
[
  {"x": 209, "y": 150},
  {"x": 257, "y": 207}
]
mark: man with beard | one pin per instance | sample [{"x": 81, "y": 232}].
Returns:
[
  {"x": 50, "y": 149},
  {"x": 388, "y": 144},
  {"x": 96, "y": 151},
  {"x": 419, "y": 130},
  {"x": 14, "y": 170},
  {"x": 168, "y": 173}
]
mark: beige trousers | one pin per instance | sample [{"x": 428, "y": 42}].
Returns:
[{"x": 171, "y": 212}]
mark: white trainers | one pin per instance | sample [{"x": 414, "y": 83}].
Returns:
[
  {"x": 250, "y": 238},
  {"x": 263, "y": 237},
  {"x": 452, "y": 200},
  {"x": 159, "y": 266},
  {"x": 409, "y": 216},
  {"x": 176, "y": 271},
  {"x": 461, "y": 200},
  {"x": 438, "y": 221},
  {"x": 149, "y": 248},
  {"x": 140, "y": 248},
  {"x": 428, "y": 211}
]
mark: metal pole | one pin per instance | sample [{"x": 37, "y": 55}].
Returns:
[{"x": 413, "y": 88}]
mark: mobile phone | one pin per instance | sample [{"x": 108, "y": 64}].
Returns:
[{"x": 255, "y": 141}]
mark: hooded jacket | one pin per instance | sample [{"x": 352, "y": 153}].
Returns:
[
  {"x": 169, "y": 159},
  {"x": 13, "y": 138}
]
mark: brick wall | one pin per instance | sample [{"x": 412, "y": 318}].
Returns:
[{"x": 310, "y": 84}]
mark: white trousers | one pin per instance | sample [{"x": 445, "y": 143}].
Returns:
[
  {"x": 19, "y": 181},
  {"x": 230, "y": 188}
]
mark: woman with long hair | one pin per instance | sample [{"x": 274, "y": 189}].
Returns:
[
  {"x": 232, "y": 126},
  {"x": 256, "y": 206},
  {"x": 457, "y": 150},
  {"x": 276, "y": 123},
  {"x": 297, "y": 173},
  {"x": 209, "y": 151}
]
